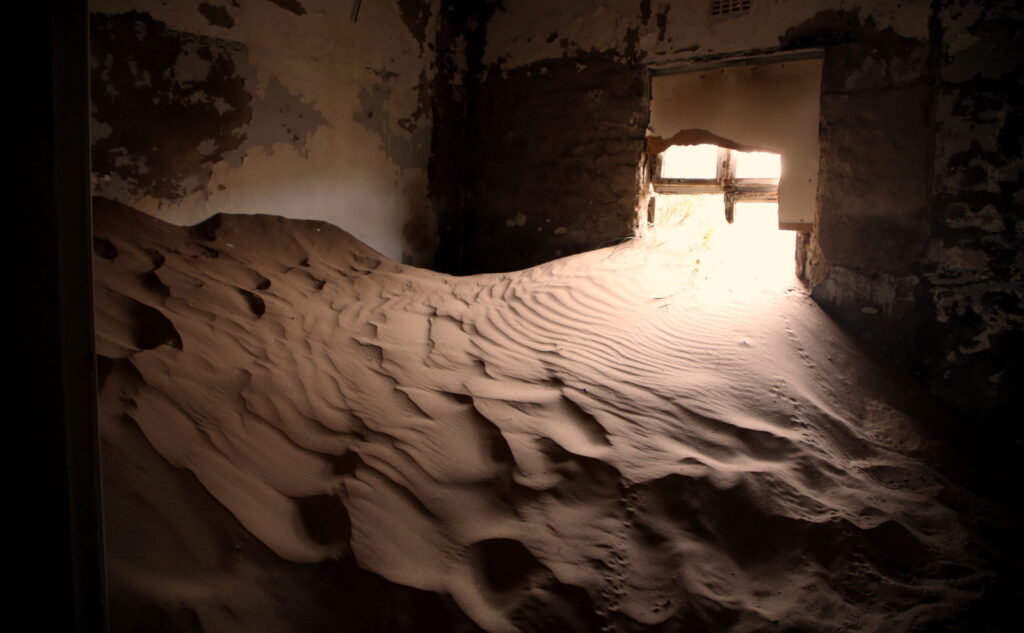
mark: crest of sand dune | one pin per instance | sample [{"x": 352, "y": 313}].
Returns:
[{"x": 614, "y": 441}]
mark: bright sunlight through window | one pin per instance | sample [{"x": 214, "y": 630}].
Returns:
[
  {"x": 696, "y": 162},
  {"x": 751, "y": 253},
  {"x": 757, "y": 165},
  {"x": 723, "y": 204}
]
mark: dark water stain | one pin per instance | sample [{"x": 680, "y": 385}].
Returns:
[
  {"x": 831, "y": 26},
  {"x": 415, "y": 15},
  {"x": 645, "y": 11},
  {"x": 662, "y": 20},
  {"x": 291, "y": 5},
  {"x": 168, "y": 105},
  {"x": 217, "y": 16}
]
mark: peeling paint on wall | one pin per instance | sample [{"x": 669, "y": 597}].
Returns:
[
  {"x": 928, "y": 233},
  {"x": 194, "y": 90},
  {"x": 196, "y": 93},
  {"x": 667, "y": 31},
  {"x": 416, "y": 16},
  {"x": 974, "y": 265},
  {"x": 217, "y": 15},
  {"x": 265, "y": 107}
]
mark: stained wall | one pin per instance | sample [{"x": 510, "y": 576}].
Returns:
[
  {"x": 917, "y": 246},
  {"x": 299, "y": 108},
  {"x": 973, "y": 268}
]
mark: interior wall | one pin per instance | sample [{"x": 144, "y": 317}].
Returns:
[
  {"x": 561, "y": 147},
  {"x": 918, "y": 241},
  {"x": 875, "y": 172},
  {"x": 299, "y": 108},
  {"x": 973, "y": 267}
]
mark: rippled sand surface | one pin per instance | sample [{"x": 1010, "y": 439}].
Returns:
[{"x": 302, "y": 435}]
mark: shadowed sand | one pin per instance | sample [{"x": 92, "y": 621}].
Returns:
[{"x": 302, "y": 435}]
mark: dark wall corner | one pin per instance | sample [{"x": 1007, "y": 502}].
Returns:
[{"x": 53, "y": 435}]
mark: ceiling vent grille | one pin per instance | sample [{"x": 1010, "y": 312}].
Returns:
[{"x": 724, "y": 8}]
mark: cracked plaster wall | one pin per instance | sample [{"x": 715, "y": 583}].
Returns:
[{"x": 286, "y": 107}]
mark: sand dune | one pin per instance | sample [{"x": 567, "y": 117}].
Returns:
[{"x": 301, "y": 435}]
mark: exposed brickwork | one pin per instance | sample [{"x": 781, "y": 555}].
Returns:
[{"x": 559, "y": 146}]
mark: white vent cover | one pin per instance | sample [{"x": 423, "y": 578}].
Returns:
[{"x": 723, "y": 8}]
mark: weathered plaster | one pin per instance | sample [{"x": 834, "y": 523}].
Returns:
[
  {"x": 662, "y": 31},
  {"x": 325, "y": 118},
  {"x": 875, "y": 174},
  {"x": 921, "y": 202},
  {"x": 561, "y": 148},
  {"x": 974, "y": 265}
]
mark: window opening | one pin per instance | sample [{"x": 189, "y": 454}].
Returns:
[
  {"x": 723, "y": 252},
  {"x": 709, "y": 169},
  {"x": 769, "y": 103},
  {"x": 723, "y": 205}
]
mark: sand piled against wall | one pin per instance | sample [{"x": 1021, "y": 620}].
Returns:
[{"x": 301, "y": 435}]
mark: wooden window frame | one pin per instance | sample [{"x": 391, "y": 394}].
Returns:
[{"x": 725, "y": 182}]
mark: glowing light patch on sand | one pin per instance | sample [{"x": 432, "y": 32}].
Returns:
[{"x": 749, "y": 256}]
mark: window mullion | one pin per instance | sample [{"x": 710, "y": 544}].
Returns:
[{"x": 726, "y": 172}]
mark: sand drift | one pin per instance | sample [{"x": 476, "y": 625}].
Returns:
[{"x": 302, "y": 435}]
